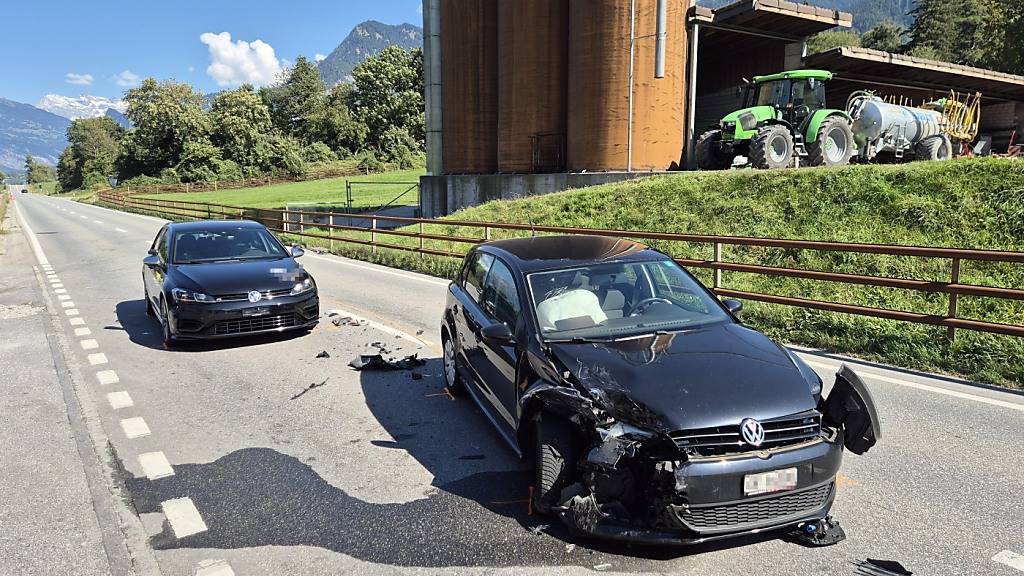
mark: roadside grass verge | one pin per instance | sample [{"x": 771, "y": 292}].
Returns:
[
  {"x": 971, "y": 203},
  {"x": 383, "y": 188}
]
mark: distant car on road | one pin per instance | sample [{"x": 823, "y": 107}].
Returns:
[
  {"x": 24, "y": 190},
  {"x": 218, "y": 279},
  {"x": 650, "y": 411}
]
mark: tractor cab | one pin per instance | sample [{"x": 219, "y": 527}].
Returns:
[{"x": 782, "y": 119}]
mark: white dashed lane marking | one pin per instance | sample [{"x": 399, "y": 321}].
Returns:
[
  {"x": 83, "y": 332},
  {"x": 89, "y": 344},
  {"x": 98, "y": 221},
  {"x": 183, "y": 517},
  {"x": 155, "y": 465},
  {"x": 1011, "y": 559},
  {"x": 214, "y": 568},
  {"x": 77, "y": 321},
  {"x": 119, "y": 400},
  {"x": 134, "y": 427},
  {"x": 121, "y": 231},
  {"x": 67, "y": 304},
  {"x": 63, "y": 297},
  {"x": 107, "y": 377},
  {"x": 97, "y": 359},
  {"x": 72, "y": 312}
]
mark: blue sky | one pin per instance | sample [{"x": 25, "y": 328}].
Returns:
[{"x": 79, "y": 47}]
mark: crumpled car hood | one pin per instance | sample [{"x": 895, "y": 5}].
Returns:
[{"x": 714, "y": 376}]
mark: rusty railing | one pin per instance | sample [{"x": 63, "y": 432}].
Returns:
[{"x": 281, "y": 221}]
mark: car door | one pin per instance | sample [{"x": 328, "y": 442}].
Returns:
[
  {"x": 469, "y": 317},
  {"x": 154, "y": 277},
  {"x": 497, "y": 363}
]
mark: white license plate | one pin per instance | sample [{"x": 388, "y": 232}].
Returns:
[{"x": 766, "y": 482}]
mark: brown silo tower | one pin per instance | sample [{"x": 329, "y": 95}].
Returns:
[
  {"x": 469, "y": 44},
  {"x": 616, "y": 122},
  {"x": 533, "y": 60}
]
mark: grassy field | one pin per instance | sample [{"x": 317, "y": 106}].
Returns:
[
  {"x": 383, "y": 189},
  {"x": 973, "y": 203}
]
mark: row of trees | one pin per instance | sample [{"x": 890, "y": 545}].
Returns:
[
  {"x": 982, "y": 33},
  {"x": 281, "y": 129}
]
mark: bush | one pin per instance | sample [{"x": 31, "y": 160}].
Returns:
[
  {"x": 368, "y": 162},
  {"x": 318, "y": 152},
  {"x": 94, "y": 181},
  {"x": 230, "y": 171},
  {"x": 398, "y": 147},
  {"x": 139, "y": 182},
  {"x": 286, "y": 155},
  {"x": 169, "y": 176}
]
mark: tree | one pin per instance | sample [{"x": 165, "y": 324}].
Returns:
[
  {"x": 300, "y": 96},
  {"x": 3, "y": 178},
  {"x": 334, "y": 124},
  {"x": 388, "y": 92},
  {"x": 968, "y": 33},
  {"x": 38, "y": 172},
  {"x": 887, "y": 37},
  {"x": 165, "y": 117},
  {"x": 241, "y": 127},
  {"x": 825, "y": 41},
  {"x": 94, "y": 146}
]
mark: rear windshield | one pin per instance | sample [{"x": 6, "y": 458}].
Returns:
[{"x": 198, "y": 246}]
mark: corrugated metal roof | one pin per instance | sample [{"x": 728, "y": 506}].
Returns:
[{"x": 778, "y": 17}]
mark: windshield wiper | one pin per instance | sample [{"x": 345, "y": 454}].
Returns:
[{"x": 581, "y": 340}]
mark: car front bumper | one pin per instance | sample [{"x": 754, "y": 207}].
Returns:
[
  {"x": 707, "y": 502},
  {"x": 242, "y": 318}
]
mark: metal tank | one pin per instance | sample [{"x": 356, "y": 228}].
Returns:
[
  {"x": 615, "y": 122},
  {"x": 533, "y": 60},
  {"x": 879, "y": 126},
  {"x": 469, "y": 47}
]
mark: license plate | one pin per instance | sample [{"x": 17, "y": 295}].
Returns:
[
  {"x": 766, "y": 482},
  {"x": 261, "y": 311}
]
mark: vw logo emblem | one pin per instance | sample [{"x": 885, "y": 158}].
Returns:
[
  {"x": 255, "y": 296},
  {"x": 752, "y": 431}
]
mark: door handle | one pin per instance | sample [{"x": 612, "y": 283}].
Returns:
[{"x": 455, "y": 308}]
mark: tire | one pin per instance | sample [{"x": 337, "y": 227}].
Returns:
[
  {"x": 771, "y": 147},
  {"x": 936, "y": 147},
  {"x": 834, "y": 145},
  {"x": 554, "y": 460},
  {"x": 709, "y": 156},
  {"x": 452, "y": 380},
  {"x": 149, "y": 305},
  {"x": 165, "y": 326}
]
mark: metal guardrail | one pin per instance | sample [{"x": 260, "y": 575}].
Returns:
[{"x": 277, "y": 220}]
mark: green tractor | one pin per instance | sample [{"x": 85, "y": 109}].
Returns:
[{"x": 784, "y": 118}]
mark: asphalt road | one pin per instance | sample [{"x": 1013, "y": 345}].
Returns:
[{"x": 250, "y": 470}]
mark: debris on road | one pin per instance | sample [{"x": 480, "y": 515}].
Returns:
[
  {"x": 569, "y": 548},
  {"x": 602, "y": 567},
  {"x": 872, "y": 567},
  {"x": 311, "y": 387},
  {"x": 323, "y": 354},
  {"x": 379, "y": 357},
  {"x": 338, "y": 319},
  {"x": 539, "y": 529}
]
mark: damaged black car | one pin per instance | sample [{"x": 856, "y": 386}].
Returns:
[{"x": 650, "y": 411}]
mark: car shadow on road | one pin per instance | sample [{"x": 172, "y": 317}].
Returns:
[
  {"x": 474, "y": 512},
  {"x": 144, "y": 330}
]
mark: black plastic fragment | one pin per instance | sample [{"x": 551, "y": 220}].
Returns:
[{"x": 872, "y": 567}]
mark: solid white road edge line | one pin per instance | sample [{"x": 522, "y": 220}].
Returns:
[
  {"x": 32, "y": 240},
  {"x": 183, "y": 516},
  {"x": 1011, "y": 559},
  {"x": 924, "y": 387}
]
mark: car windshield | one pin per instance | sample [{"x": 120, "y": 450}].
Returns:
[
  {"x": 608, "y": 301},
  {"x": 219, "y": 245}
]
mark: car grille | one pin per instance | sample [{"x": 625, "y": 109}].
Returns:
[
  {"x": 246, "y": 325},
  {"x": 755, "y": 512},
  {"x": 266, "y": 294},
  {"x": 727, "y": 440}
]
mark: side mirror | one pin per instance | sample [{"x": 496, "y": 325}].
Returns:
[
  {"x": 152, "y": 261},
  {"x": 297, "y": 251},
  {"x": 498, "y": 333},
  {"x": 153, "y": 252},
  {"x": 734, "y": 306}
]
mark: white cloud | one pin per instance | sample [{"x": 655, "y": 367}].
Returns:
[
  {"x": 240, "y": 62},
  {"x": 74, "y": 107},
  {"x": 78, "y": 79},
  {"x": 127, "y": 79},
  {"x": 319, "y": 57}
]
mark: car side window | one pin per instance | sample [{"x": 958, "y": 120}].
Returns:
[
  {"x": 501, "y": 299},
  {"x": 475, "y": 274},
  {"x": 160, "y": 244}
]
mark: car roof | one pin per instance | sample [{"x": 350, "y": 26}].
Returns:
[
  {"x": 215, "y": 225},
  {"x": 558, "y": 252}
]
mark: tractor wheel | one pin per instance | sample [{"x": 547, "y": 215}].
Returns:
[
  {"x": 772, "y": 147},
  {"x": 709, "y": 153},
  {"x": 936, "y": 147},
  {"x": 834, "y": 145}
]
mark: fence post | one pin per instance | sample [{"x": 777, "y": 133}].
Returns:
[
  {"x": 718, "y": 271},
  {"x": 373, "y": 235},
  {"x": 487, "y": 233},
  {"x": 209, "y": 214},
  {"x": 302, "y": 223},
  {"x": 421, "y": 239},
  {"x": 954, "y": 278},
  {"x": 330, "y": 231}
]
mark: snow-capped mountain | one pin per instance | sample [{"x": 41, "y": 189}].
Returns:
[{"x": 84, "y": 106}]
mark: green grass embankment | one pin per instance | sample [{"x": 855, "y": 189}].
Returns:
[{"x": 973, "y": 203}]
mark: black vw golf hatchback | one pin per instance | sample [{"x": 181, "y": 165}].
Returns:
[
  {"x": 218, "y": 279},
  {"x": 650, "y": 411}
]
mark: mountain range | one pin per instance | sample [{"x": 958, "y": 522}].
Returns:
[
  {"x": 25, "y": 129},
  {"x": 366, "y": 39}
]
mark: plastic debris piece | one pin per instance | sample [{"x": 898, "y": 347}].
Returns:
[
  {"x": 323, "y": 354},
  {"x": 602, "y": 567},
  {"x": 378, "y": 357},
  {"x": 872, "y": 567}
]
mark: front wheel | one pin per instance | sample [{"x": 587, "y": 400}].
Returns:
[
  {"x": 709, "y": 152},
  {"x": 834, "y": 144},
  {"x": 452, "y": 380},
  {"x": 165, "y": 325},
  {"x": 554, "y": 460},
  {"x": 771, "y": 147}
]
